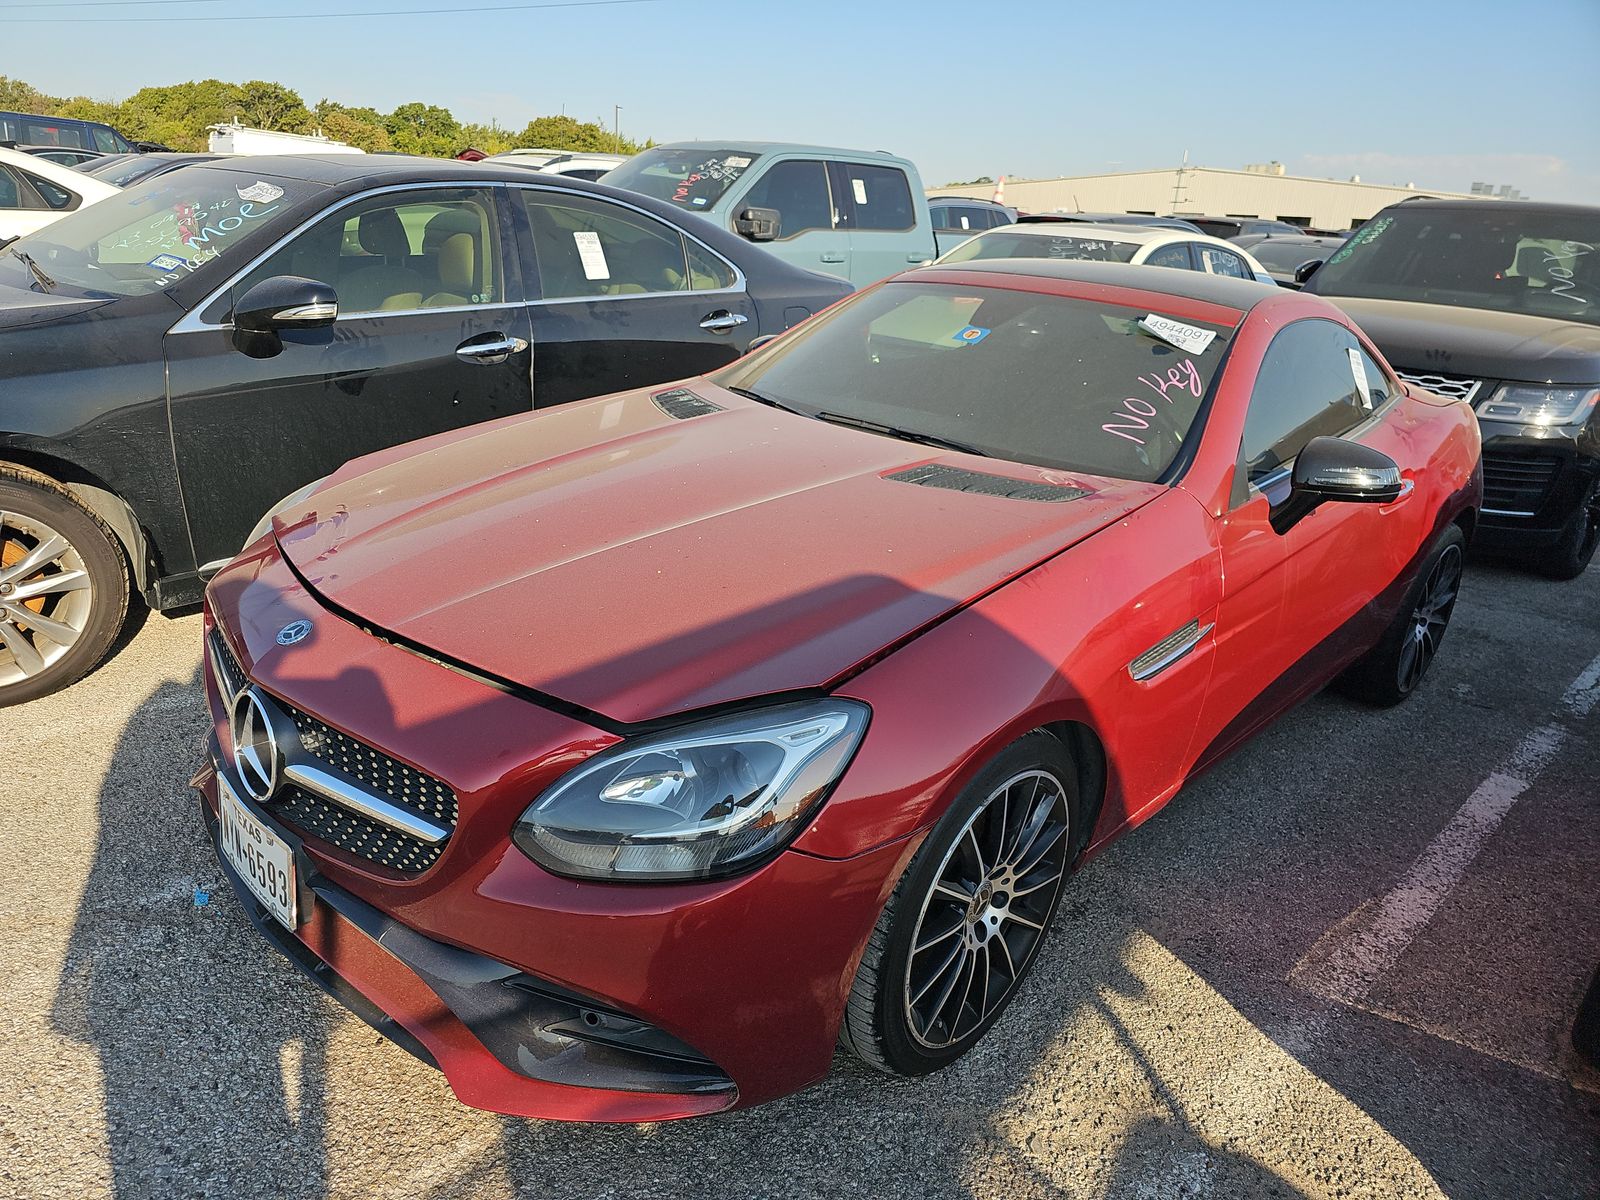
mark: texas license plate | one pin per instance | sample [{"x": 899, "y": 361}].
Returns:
[{"x": 264, "y": 861}]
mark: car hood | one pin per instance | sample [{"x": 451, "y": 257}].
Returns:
[
  {"x": 1478, "y": 342},
  {"x": 20, "y": 307},
  {"x": 636, "y": 564}
]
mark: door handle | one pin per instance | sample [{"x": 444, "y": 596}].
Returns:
[
  {"x": 834, "y": 256},
  {"x": 489, "y": 353},
  {"x": 723, "y": 321}
]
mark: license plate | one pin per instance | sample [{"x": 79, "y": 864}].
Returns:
[{"x": 263, "y": 860}]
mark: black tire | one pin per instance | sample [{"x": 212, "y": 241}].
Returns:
[
  {"x": 1574, "y": 550},
  {"x": 27, "y": 500},
  {"x": 1394, "y": 668},
  {"x": 877, "y": 1027}
]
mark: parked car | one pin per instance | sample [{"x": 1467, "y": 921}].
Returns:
[
  {"x": 528, "y": 156},
  {"x": 582, "y": 166},
  {"x": 1498, "y": 305},
  {"x": 1232, "y": 227},
  {"x": 36, "y": 130},
  {"x": 1285, "y": 254},
  {"x": 858, "y": 214},
  {"x": 125, "y": 170},
  {"x": 55, "y": 154},
  {"x": 1083, "y": 218},
  {"x": 1136, "y": 244},
  {"x": 588, "y": 754},
  {"x": 35, "y": 192},
  {"x": 174, "y": 363},
  {"x": 956, "y": 218}
]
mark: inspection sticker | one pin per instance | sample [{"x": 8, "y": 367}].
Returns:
[
  {"x": 970, "y": 335},
  {"x": 1360, "y": 372},
  {"x": 166, "y": 262},
  {"x": 1189, "y": 338},
  {"x": 592, "y": 255}
]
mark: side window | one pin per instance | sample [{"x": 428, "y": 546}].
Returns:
[
  {"x": 589, "y": 247},
  {"x": 1218, "y": 261},
  {"x": 707, "y": 272},
  {"x": 106, "y": 141},
  {"x": 1306, "y": 388},
  {"x": 1377, "y": 381},
  {"x": 944, "y": 217},
  {"x": 1175, "y": 255},
  {"x": 798, "y": 189},
  {"x": 53, "y": 195},
  {"x": 10, "y": 189},
  {"x": 399, "y": 252},
  {"x": 880, "y": 197},
  {"x": 39, "y": 133}
]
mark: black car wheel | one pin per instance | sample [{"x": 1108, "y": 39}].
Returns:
[
  {"x": 1395, "y": 667},
  {"x": 968, "y": 917},
  {"x": 1572, "y": 553},
  {"x": 63, "y": 587}
]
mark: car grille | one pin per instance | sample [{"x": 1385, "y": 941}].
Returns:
[
  {"x": 319, "y": 817},
  {"x": 1457, "y": 387},
  {"x": 1517, "y": 485}
]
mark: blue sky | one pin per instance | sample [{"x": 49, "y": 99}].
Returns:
[{"x": 1432, "y": 92}]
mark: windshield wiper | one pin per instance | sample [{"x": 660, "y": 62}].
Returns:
[
  {"x": 45, "y": 282},
  {"x": 904, "y": 435},
  {"x": 760, "y": 399}
]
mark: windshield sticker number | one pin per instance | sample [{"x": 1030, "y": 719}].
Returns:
[
  {"x": 592, "y": 255},
  {"x": 970, "y": 335},
  {"x": 1189, "y": 338}
]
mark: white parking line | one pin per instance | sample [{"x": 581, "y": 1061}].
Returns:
[{"x": 1352, "y": 957}]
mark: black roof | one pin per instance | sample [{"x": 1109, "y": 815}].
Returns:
[
  {"x": 1489, "y": 205},
  {"x": 1240, "y": 294}
]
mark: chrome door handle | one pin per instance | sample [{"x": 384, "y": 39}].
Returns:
[
  {"x": 489, "y": 353},
  {"x": 833, "y": 256},
  {"x": 723, "y": 321}
]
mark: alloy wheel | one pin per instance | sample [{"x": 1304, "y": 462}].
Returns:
[
  {"x": 985, "y": 916},
  {"x": 46, "y": 597},
  {"x": 1590, "y": 516},
  {"x": 1429, "y": 618}
]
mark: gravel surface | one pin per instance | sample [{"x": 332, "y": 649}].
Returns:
[{"x": 1341, "y": 965}]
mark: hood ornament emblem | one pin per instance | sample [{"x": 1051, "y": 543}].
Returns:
[{"x": 294, "y": 632}]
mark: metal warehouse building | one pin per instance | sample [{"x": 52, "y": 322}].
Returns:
[{"x": 1256, "y": 191}]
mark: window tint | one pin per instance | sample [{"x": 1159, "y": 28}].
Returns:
[
  {"x": 881, "y": 198},
  {"x": 105, "y": 141},
  {"x": 54, "y": 196},
  {"x": 591, "y": 248},
  {"x": 10, "y": 189},
  {"x": 1306, "y": 388},
  {"x": 42, "y": 133},
  {"x": 398, "y": 252},
  {"x": 707, "y": 272},
  {"x": 1218, "y": 261},
  {"x": 944, "y": 217},
  {"x": 1175, "y": 255},
  {"x": 798, "y": 189}
]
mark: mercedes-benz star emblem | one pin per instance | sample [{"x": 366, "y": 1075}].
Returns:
[
  {"x": 294, "y": 631},
  {"x": 255, "y": 747}
]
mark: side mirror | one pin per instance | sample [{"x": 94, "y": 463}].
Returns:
[
  {"x": 1305, "y": 271},
  {"x": 1336, "y": 470},
  {"x": 759, "y": 224},
  {"x": 286, "y": 302}
]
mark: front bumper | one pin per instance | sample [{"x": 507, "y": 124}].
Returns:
[{"x": 1534, "y": 480}]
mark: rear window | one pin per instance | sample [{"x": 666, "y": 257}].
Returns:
[
  {"x": 1048, "y": 380},
  {"x": 1218, "y": 229},
  {"x": 1011, "y": 244},
  {"x": 692, "y": 179}
]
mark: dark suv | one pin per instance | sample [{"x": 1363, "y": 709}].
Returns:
[{"x": 1497, "y": 303}]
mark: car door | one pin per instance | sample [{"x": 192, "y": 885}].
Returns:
[
  {"x": 623, "y": 299},
  {"x": 432, "y": 334},
  {"x": 1296, "y": 603},
  {"x": 876, "y": 206},
  {"x": 811, "y": 233}
]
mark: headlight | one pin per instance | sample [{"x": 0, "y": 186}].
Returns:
[
  {"x": 1531, "y": 404},
  {"x": 292, "y": 498},
  {"x": 702, "y": 801}
]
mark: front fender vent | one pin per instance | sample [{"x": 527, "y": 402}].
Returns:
[
  {"x": 956, "y": 479},
  {"x": 680, "y": 404}
]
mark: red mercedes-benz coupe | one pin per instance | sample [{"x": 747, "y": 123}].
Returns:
[{"x": 624, "y": 759}]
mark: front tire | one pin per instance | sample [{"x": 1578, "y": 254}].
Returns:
[
  {"x": 63, "y": 587},
  {"x": 968, "y": 917},
  {"x": 1572, "y": 553},
  {"x": 1394, "y": 668}
]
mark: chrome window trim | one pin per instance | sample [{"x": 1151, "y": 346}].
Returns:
[{"x": 190, "y": 322}]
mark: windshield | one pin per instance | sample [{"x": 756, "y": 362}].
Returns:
[
  {"x": 156, "y": 233},
  {"x": 689, "y": 178},
  {"x": 1499, "y": 255},
  {"x": 1056, "y": 382},
  {"x": 1010, "y": 244},
  {"x": 1286, "y": 256}
]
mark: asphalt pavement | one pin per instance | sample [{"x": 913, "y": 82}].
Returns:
[{"x": 1343, "y": 964}]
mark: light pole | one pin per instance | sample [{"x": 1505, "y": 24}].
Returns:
[{"x": 616, "y": 127}]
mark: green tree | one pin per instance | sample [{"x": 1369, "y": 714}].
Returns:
[
  {"x": 569, "y": 133},
  {"x": 419, "y": 128},
  {"x": 265, "y": 105},
  {"x": 178, "y": 115},
  {"x": 18, "y": 96},
  {"x": 490, "y": 138},
  {"x": 346, "y": 127}
]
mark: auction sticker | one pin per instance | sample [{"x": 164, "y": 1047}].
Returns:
[
  {"x": 592, "y": 254},
  {"x": 1189, "y": 338}
]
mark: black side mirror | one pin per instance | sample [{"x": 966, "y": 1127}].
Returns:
[
  {"x": 1305, "y": 271},
  {"x": 1335, "y": 470},
  {"x": 759, "y": 224},
  {"x": 286, "y": 302}
]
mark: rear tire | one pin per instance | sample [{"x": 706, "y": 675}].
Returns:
[
  {"x": 1574, "y": 550},
  {"x": 967, "y": 919},
  {"x": 63, "y": 587},
  {"x": 1394, "y": 668}
]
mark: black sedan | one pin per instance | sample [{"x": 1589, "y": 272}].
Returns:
[
  {"x": 125, "y": 170},
  {"x": 175, "y": 361}
]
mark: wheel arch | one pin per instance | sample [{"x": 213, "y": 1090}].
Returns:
[
  {"x": 1089, "y": 756},
  {"x": 52, "y": 465}
]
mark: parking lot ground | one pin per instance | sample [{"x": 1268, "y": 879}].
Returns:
[{"x": 1340, "y": 965}]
